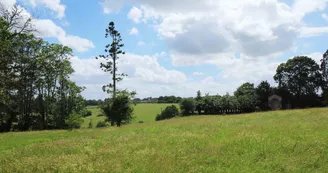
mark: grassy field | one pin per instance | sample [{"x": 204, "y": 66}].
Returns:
[
  {"x": 283, "y": 141},
  {"x": 142, "y": 112}
]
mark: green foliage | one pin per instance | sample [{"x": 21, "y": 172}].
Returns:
[
  {"x": 119, "y": 110},
  {"x": 169, "y": 99},
  {"x": 113, "y": 50},
  {"x": 168, "y": 113},
  {"x": 263, "y": 91},
  {"x": 35, "y": 89},
  {"x": 324, "y": 69},
  {"x": 199, "y": 102},
  {"x": 247, "y": 97},
  {"x": 101, "y": 124},
  {"x": 187, "y": 106},
  {"x": 74, "y": 121},
  {"x": 325, "y": 96},
  {"x": 90, "y": 126},
  {"x": 300, "y": 76},
  {"x": 86, "y": 113}
]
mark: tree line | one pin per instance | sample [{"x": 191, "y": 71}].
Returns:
[
  {"x": 36, "y": 92},
  {"x": 302, "y": 83}
]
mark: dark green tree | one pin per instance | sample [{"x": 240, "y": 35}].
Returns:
[
  {"x": 301, "y": 77},
  {"x": 35, "y": 89},
  {"x": 168, "y": 113},
  {"x": 112, "y": 50},
  {"x": 324, "y": 69},
  {"x": 247, "y": 97},
  {"x": 187, "y": 106},
  {"x": 199, "y": 102},
  {"x": 120, "y": 109},
  {"x": 263, "y": 91}
]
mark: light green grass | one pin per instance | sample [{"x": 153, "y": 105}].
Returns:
[
  {"x": 283, "y": 141},
  {"x": 94, "y": 118},
  {"x": 148, "y": 112},
  {"x": 142, "y": 112}
]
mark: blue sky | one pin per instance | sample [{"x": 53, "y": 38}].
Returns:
[{"x": 177, "y": 47}]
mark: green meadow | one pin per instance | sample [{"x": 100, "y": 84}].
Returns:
[
  {"x": 282, "y": 141},
  {"x": 142, "y": 112}
]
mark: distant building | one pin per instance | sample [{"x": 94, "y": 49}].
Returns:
[{"x": 274, "y": 102}]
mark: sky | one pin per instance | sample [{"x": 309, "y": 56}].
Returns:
[{"x": 177, "y": 47}]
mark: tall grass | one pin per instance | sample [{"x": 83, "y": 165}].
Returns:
[{"x": 283, "y": 141}]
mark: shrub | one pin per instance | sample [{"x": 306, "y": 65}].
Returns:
[
  {"x": 119, "y": 110},
  {"x": 89, "y": 113},
  {"x": 141, "y": 121},
  {"x": 187, "y": 106},
  {"x": 74, "y": 121},
  {"x": 169, "y": 112},
  {"x": 85, "y": 113},
  {"x": 158, "y": 117},
  {"x": 101, "y": 124},
  {"x": 100, "y": 115},
  {"x": 90, "y": 125}
]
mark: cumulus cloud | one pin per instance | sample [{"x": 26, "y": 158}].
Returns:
[
  {"x": 112, "y": 6},
  {"x": 134, "y": 31},
  {"x": 199, "y": 31},
  {"x": 313, "y": 31},
  {"x": 47, "y": 28},
  {"x": 135, "y": 14},
  {"x": 54, "y": 5},
  {"x": 143, "y": 71}
]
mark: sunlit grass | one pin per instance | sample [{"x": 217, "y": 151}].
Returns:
[
  {"x": 142, "y": 112},
  {"x": 283, "y": 141}
]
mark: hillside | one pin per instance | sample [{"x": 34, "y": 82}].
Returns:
[{"x": 283, "y": 141}]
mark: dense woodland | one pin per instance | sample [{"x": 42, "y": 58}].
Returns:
[{"x": 35, "y": 88}]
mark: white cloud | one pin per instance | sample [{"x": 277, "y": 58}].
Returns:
[
  {"x": 325, "y": 17},
  {"x": 134, "y": 31},
  {"x": 7, "y": 3},
  {"x": 141, "y": 43},
  {"x": 313, "y": 31},
  {"x": 112, "y": 6},
  {"x": 303, "y": 7},
  {"x": 199, "y": 31},
  {"x": 144, "y": 72},
  {"x": 316, "y": 56},
  {"x": 198, "y": 73},
  {"x": 135, "y": 14},
  {"x": 53, "y": 5},
  {"x": 47, "y": 28}
]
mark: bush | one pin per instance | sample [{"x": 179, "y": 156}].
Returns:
[
  {"x": 100, "y": 115},
  {"x": 119, "y": 110},
  {"x": 187, "y": 106},
  {"x": 89, "y": 113},
  {"x": 141, "y": 122},
  {"x": 101, "y": 124},
  {"x": 74, "y": 121},
  {"x": 169, "y": 112},
  {"x": 85, "y": 113},
  {"x": 90, "y": 125}
]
